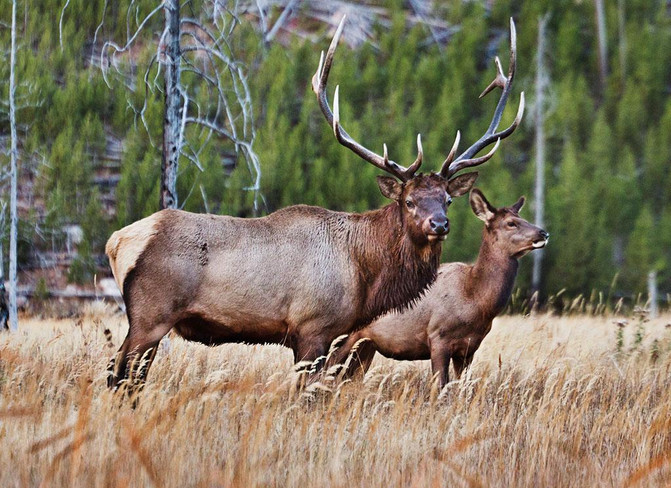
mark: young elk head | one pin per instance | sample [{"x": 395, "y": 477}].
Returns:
[
  {"x": 513, "y": 235},
  {"x": 423, "y": 198}
]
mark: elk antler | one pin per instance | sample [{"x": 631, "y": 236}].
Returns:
[
  {"x": 466, "y": 159},
  {"x": 333, "y": 118}
]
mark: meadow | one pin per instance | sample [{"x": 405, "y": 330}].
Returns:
[{"x": 549, "y": 401}]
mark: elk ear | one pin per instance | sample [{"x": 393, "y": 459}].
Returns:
[
  {"x": 390, "y": 187},
  {"x": 481, "y": 207},
  {"x": 517, "y": 206},
  {"x": 460, "y": 185}
]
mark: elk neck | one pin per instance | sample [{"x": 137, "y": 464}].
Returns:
[
  {"x": 492, "y": 276},
  {"x": 393, "y": 271}
]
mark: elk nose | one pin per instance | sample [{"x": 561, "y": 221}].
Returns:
[
  {"x": 544, "y": 235},
  {"x": 439, "y": 225}
]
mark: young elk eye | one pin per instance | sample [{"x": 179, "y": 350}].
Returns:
[{"x": 409, "y": 204}]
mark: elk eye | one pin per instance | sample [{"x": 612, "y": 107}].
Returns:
[
  {"x": 449, "y": 200},
  {"x": 409, "y": 204},
  {"x": 512, "y": 224}
]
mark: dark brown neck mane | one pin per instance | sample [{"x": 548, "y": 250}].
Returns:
[
  {"x": 393, "y": 271},
  {"x": 492, "y": 277}
]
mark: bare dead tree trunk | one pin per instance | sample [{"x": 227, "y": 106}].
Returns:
[
  {"x": 4, "y": 311},
  {"x": 172, "y": 123},
  {"x": 622, "y": 48},
  {"x": 601, "y": 39},
  {"x": 201, "y": 48},
  {"x": 13, "y": 226},
  {"x": 284, "y": 16},
  {"x": 539, "y": 120},
  {"x": 652, "y": 294},
  {"x": 3, "y": 223}
]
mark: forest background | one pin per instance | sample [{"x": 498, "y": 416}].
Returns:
[{"x": 86, "y": 159}]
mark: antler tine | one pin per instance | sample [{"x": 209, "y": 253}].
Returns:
[
  {"x": 412, "y": 169},
  {"x": 320, "y": 77},
  {"x": 518, "y": 118},
  {"x": 466, "y": 159},
  {"x": 336, "y": 110},
  {"x": 499, "y": 81},
  {"x": 450, "y": 156},
  {"x": 316, "y": 78},
  {"x": 319, "y": 80},
  {"x": 468, "y": 163}
]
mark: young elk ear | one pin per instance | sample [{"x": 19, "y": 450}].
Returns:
[
  {"x": 461, "y": 184},
  {"x": 481, "y": 207},
  {"x": 390, "y": 187},
  {"x": 517, "y": 206}
]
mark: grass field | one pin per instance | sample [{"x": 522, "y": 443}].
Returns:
[{"x": 548, "y": 402}]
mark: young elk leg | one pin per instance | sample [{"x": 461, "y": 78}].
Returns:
[
  {"x": 359, "y": 358},
  {"x": 361, "y": 351},
  {"x": 362, "y": 357},
  {"x": 440, "y": 363}
]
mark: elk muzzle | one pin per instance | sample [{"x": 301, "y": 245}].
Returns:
[
  {"x": 436, "y": 227},
  {"x": 542, "y": 239}
]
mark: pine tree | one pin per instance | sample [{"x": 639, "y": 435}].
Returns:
[
  {"x": 572, "y": 262},
  {"x": 641, "y": 256}
]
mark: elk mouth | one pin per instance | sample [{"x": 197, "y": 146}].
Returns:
[
  {"x": 534, "y": 245},
  {"x": 436, "y": 237},
  {"x": 540, "y": 243}
]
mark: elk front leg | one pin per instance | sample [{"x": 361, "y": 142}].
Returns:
[
  {"x": 308, "y": 348},
  {"x": 132, "y": 361},
  {"x": 116, "y": 369},
  {"x": 461, "y": 363},
  {"x": 440, "y": 362}
]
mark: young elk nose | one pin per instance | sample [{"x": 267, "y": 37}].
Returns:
[{"x": 439, "y": 225}]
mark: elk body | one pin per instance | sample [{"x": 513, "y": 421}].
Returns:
[
  {"x": 457, "y": 311},
  {"x": 300, "y": 276}
]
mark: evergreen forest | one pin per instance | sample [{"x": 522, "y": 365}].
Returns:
[{"x": 90, "y": 150}]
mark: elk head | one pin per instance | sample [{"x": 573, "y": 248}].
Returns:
[
  {"x": 423, "y": 199},
  {"x": 512, "y": 234}
]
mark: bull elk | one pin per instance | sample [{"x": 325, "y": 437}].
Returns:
[
  {"x": 300, "y": 276},
  {"x": 457, "y": 311}
]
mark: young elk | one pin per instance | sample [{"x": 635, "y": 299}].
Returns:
[
  {"x": 301, "y": 276},
  {"x": 456, "y": 312}
]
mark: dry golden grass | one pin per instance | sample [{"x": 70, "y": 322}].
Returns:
[{"x": 548, "y": 402}]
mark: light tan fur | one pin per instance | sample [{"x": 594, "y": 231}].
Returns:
[{"x": 125, "y": 246}]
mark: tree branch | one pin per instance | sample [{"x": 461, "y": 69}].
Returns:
[
  {"x": 213, "y": 126},
  {"x": 60, "y": 24}
]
